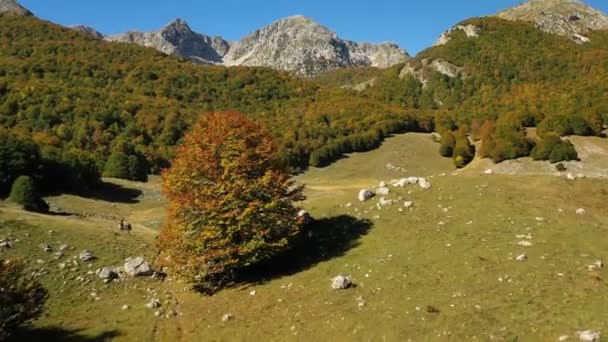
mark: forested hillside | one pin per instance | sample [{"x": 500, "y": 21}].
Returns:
[
  {"x": 82, "y": 100},
  {"x": 83, "y": 107},
  {"x": 513, "y": 75}
]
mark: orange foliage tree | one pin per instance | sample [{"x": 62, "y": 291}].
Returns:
[{"x": 231, "y": 201}]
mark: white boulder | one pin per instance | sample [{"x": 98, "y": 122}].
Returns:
[
  {"x": 365, "y": 195},
  {"x": 341, "y": 282},
  {"x": 589, "y": 336}
]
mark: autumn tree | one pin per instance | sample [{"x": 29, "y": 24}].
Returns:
[{"x": 231, "y": 201}]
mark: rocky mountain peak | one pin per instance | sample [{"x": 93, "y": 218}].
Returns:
[
  {"x": 13, "y": 7},
  {"x": 297, "y": 44},
  {"x": 179, "y": 26},
  {"x": 301, "y": 45},
  {"x": 569, "y": 18}
]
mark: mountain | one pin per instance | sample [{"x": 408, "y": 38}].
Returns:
[
  {"x": 87, "y": 30},
  {"x": 177, "y": 38},
  {"x": 12, "y": 6},
  {"x": 569, "y": 18},
  {"x": 296, "y": 44},
  {"x": 300, "y": 45}
]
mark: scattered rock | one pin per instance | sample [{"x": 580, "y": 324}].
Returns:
[
  {"x": 563, "y": 338},
  {"x": 6, "y": 244},
  {"x": 227, "y": 317},
  {"x": 86, "y": 256},
  {"x": 365, "y": 195},
  {"x": 589, "y": 336},
  {"x": 382, "y": 191},
  {"x": 384, "y": 202},
  {"x": 125, "y": 307},
  {"x": 252, "y": 293},
  {"x": 424, "y": 184},
  {"x": 46, "y": 248},
  {"x": 521, "y": 257},
  {"x": 525, "y": 243},
  {"x": 137, "y": 267},
  {"x": 341, "y": 282},
  {"x": 489, "y": 172},
  {"x": 108, "y": 273},
  {"x": 408, "y": 204},
  {"x": 63, "y": 248},
  {"x": 153, "y": 304},
  {"x": 581, "y": 211},
  {"x": 382, "y": 184}
]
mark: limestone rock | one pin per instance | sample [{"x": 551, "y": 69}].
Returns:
[
  {"x": 470, "y": 30},
  {"x": 382, "y": 191},
  {"x": 137, "y": 267},
  {"x": 108, "y": 273},
  {"x": 341, "y": 282},
  {"x": 365, "y": 195},
  {"x": 86, "y": 256},
  {"x": 589, "y": 336}
]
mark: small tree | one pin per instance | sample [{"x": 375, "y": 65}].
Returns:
[
  {"x": 124, "y": 166},
  {"x": 447, "y": 144},
  {"x": 231, "y": 201},
  {"x": 464, "y": 152},
  {"x": 21, "y": 297},
  {"x": 25, "y": 194}
]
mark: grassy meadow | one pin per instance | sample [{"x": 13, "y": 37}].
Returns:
[{"x": 444, "y": 269}]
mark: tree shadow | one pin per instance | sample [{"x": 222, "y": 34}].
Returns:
[
  {"x": 110, "y": 192},
  {"x": 57, "y": 334},
  {"x": 321, "y": 240}
]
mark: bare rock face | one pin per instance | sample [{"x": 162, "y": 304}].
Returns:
[
  {"x": 471, "y": 31},
  {"x": 569, "y": 18},
  {"x": 177, "y": 38},
  {"x": 13, "y": 7},
  {"x": 300, "y": 45},
  {"x": 88, "y": 30}
]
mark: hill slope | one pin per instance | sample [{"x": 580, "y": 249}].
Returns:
[{"x": 570, "y": 18}]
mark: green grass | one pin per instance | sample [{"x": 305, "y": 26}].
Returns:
[{"x": 448, "y": 252}]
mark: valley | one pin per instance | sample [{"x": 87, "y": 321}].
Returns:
[{"x": 401, "y": 260}]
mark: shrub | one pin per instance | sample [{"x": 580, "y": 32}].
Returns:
[
  {"x": 553, "y": 148},
  {"x": 21, "y": 297},
  {"x": 447, "y": 144},
  {"x": 18, "y": 156},
  {"x": 131, "y": 167},
  {"x": 24, "y": 193},
  {"x": 231, "y": 201},
  {"x": 464, "y": 152}
]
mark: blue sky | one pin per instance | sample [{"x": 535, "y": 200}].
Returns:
[{"x": 413, "y": 24}]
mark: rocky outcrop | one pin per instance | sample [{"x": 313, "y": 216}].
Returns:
[
  {"x": 425, "y": 66},
  {"x": 177, "y": 38},
  {"x": 569, "y": 18},
  {"x": 471, "y": 31},
  {"x": 13, "y": 7},
  {"x": 88, "y": 30}
]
